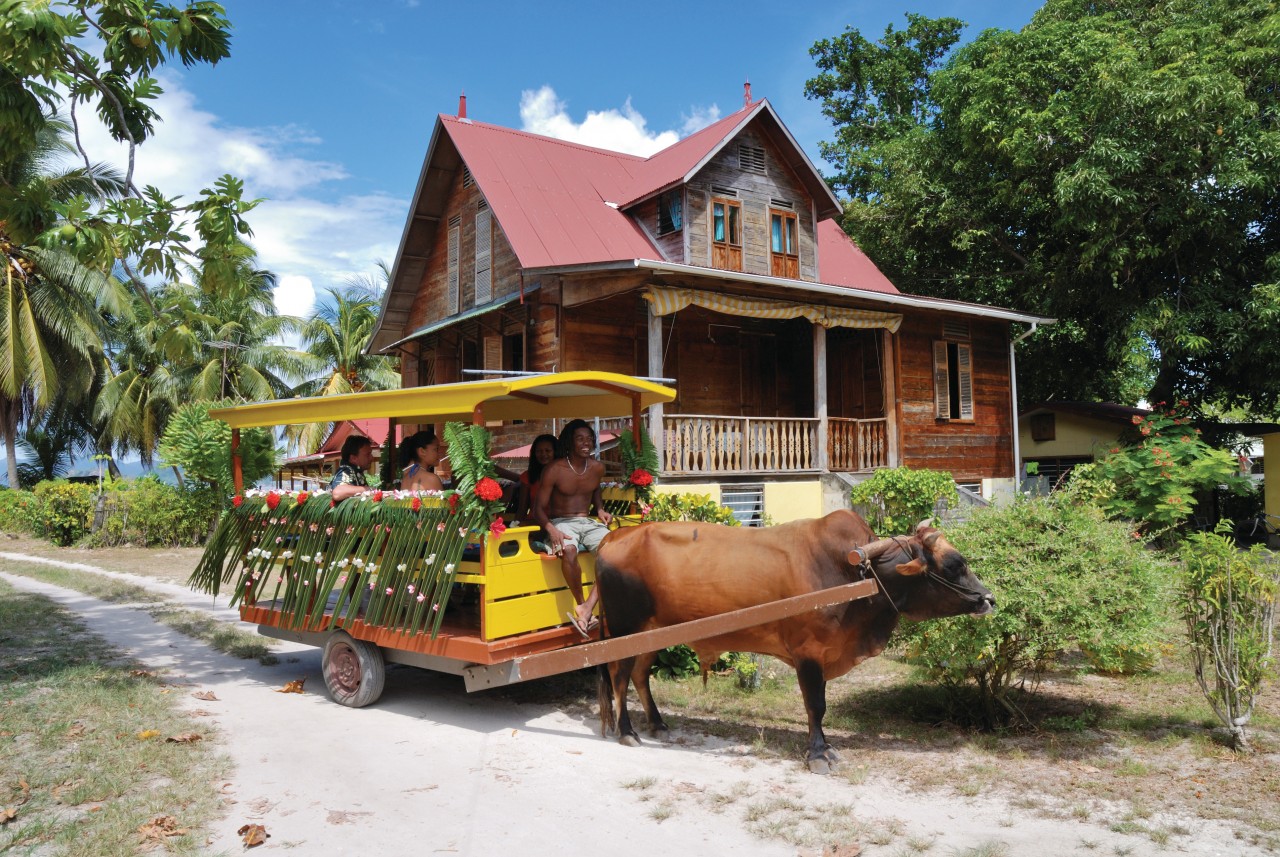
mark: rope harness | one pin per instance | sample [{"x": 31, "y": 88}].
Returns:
[{"x": 959, "y": 589}]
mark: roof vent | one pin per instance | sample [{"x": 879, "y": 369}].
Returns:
[
  {"x": 751, "y": 159},
  {"x": 781, "y": 203},
  {"x": 955, "y": 329},
  {"x": 467, "y": 180},
  {"x": 723, "y": 191}
]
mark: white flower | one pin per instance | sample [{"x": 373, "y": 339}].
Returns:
[
  {"x": 401, "y": 567},
  {"x": 431, "y": 559},
  {"x": 287, "y": 554},
  {"x": 342, "y": 563},
  {"x": 448, "y": 569},
  {"x": 319, "y": 557},
  {"x": 306, "y": 559},
  {"x": 371, "y": 568},
  {"x": 358, "y": 562}
]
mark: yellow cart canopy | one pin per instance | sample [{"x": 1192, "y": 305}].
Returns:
[{"x": 558, "y": 395}]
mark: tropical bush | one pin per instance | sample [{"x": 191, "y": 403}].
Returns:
[
  {"x": 895, "y": 499},
  {"x": 690, "y": 507},
  {"x": 64, "y": 511},
  {"x": 201, "y": 447},
  {"x": 1228, "y": 600},
  {"x": 1154, "y": 481},
  {"x": 1064, "y": 577},
  {"x": 147, "y": 512},
  {"x": 18, "y": 511}
]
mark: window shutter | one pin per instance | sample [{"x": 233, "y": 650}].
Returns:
[
  {"x": 941, "y": 381},
  {"x": 964, "y": 365},
  {"x": 451, "y": 299},
  {"x": 484, "y": 243}
]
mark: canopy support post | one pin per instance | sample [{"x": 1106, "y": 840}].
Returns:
[
  {"x": 820, "y": 395},
  {"x": 237, "y": 467},
  {"x": 656, "y": 433}
]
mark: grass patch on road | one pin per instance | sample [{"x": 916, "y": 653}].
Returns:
[
  {"x": 221, "y": 636},
  {"x": 87, "y": 768}
]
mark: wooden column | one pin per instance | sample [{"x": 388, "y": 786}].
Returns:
[
  {"x": 237, "y": 467},
  {"x": 890, "y": 363},
  {"x": 820, "y": 393},
  {"x": 655, "y": 371}
]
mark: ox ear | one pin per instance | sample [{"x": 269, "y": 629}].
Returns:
[
  {"x": 930, "y": 539},
  {"x": 916, "y": 566}
]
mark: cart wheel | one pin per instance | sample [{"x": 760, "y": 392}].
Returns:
[{"x": 354, "y": 671}]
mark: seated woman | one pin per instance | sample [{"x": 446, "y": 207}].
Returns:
[
  {"x": 418, "y": 454},
  {"x": 541, "y": 453}
]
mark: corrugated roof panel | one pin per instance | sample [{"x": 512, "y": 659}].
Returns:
[{"x": 842, "y": 262}]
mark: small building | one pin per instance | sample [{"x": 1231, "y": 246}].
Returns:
[
  {"x": 1056, "y": 436},
  {"x": 718, "y": 263},
  {"x": 309, "y": 472}
]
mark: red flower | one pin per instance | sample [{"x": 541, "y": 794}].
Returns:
[
  {"x": 497, "y": 528},
  {"x": 453, "y": 504},
  {"x": 641, "y": 477},
  {"x": 415, "y": 503},
  {"x": 488, "y": 490},
  {"x": 273, "y": 500},
  {"x": 302, "y": 497},
  {"x": 237, "y": 501},
  {"x": 1146, "y": 430},
  {"x": 1137, "y": 420},
  {"x": 377, "y": 496}
]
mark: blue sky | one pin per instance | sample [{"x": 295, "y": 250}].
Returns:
[{"x": 326, "y": 108}]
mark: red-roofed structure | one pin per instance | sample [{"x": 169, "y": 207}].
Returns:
[
  {"x": 315, "y": 470},
  {"x": 718, "y": 262}
]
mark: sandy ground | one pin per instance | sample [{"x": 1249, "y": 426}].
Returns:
[{"x": 431, "y": 769}]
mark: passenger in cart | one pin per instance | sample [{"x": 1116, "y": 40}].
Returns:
[{"x": 569, "y": 490}]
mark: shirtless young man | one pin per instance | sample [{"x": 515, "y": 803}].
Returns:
[{"x": 570, "y": 488}]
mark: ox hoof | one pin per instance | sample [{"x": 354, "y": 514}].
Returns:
[
  {"x": 629, "y": 741},
  {"x": 660, "y": 734},
  {"x": 821, "y": 766}
]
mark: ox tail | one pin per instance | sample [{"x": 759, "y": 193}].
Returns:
[{"x": 604, "y": 697}]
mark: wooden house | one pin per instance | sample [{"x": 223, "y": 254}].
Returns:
[{"x": 718, "y": 263}]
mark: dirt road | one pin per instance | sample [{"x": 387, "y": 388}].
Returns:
[{"x": 431, "y": 769}]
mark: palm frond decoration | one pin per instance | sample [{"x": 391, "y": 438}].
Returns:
[
  {"x": 639, "y": 466},
  {"x": 387, "y": 561}
]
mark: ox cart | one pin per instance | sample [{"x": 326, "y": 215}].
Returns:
[{"x": 434, "y": 580}]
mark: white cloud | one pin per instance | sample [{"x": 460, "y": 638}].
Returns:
[
  {"x": 308, "y": 239},
  {"x": 625, "y": 130}
]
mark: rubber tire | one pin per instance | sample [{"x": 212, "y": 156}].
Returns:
[{"x": 354, "y": 670}]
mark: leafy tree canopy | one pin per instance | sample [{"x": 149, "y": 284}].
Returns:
[{"x": 1114, "y": 164}]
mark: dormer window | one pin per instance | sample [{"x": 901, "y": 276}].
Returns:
[{"x": 671, "y": 211}]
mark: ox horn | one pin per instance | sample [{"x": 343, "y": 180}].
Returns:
[
  {"x": 927, "y": 522},
  {"x": 870, "y": 551}
]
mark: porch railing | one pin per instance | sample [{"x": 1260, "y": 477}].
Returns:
[
  {"x": 712, "y": 445},
  {"x": 854, "y": 445}
]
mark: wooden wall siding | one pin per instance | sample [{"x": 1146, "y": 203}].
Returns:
[
  {"x": 971, "y": 450},
  {"x": 609, "y": 335},
  {"x": 430, "y": 303},
  {"x": 671, "y": 245},
  {"x": 754, "y": 191},
  {"x": 730, "y": 366}
]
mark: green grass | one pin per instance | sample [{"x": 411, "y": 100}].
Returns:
[
  {"x": 80, "y": 766},
  {"x": 227, "y": 639},
  {"x": 98, "y": 586}
]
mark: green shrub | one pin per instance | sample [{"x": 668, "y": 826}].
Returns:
[
  {"x": 896, "y": 499},
  {"x": 201, "y": 447},
  {"x": 680, "y": 661},
  {"x": 65, "y": 511},
  {"x": 148, "y": 512},
  {"x": 1228, "y": 600},
  {"x": 1063, "y": 577},
  {"x": 690, "y": 507},
  {"x": 1154, "y": 481},
  {"x": 19, "y": 511}
]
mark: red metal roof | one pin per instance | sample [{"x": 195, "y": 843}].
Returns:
[
  {"x": 842, "y": 263},
  {"x": 559, "y": 202}
]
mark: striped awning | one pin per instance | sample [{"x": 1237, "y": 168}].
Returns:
[{"x": 666, "y": 301}]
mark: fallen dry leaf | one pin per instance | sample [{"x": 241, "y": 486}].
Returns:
[
  {"x": 206, "y": 695},
  {"x": 846, "y": 850},
  {"x": 159, "y": 829},
  {"x": 294, "y": 686},
  {"x": 142, "y": 674},
  {"x": 8, "y": 814},
  {"x": 253, "y": 834},
  {"x": 200, "y": 712},
  {"x": 75, "y": 730},
  {"x": 148, "y": 733},
  {"x": 184, "y": 738},
  {"x": 25, "y": 787}
]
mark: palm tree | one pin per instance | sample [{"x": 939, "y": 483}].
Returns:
[
  {"x": 337, "y": 336},
  {"x": 49, "y": 301}
]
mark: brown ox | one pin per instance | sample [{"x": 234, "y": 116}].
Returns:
[{"x": 663, "y": 574}]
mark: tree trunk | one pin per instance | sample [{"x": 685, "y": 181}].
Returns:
[
  {"x": 178, "y": 475},
  {"x": 9, "y": 428}
]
